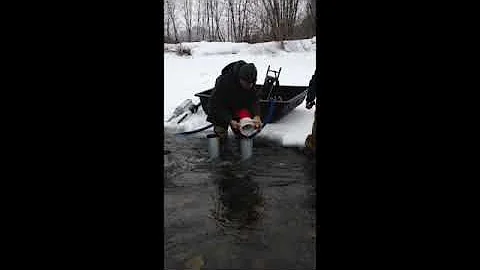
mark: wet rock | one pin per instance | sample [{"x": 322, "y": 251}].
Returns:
[{"x": 194, "y": 263}]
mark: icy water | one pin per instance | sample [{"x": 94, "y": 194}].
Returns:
[{"x": 258, "y": 214}]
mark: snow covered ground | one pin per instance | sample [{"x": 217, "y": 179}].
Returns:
[{"x": 186, "y": 75}]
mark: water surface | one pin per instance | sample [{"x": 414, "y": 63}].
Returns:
[{"x": 258, "y": 214}]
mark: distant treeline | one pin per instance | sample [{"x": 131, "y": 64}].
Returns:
[{"x": 249, "y": 21}]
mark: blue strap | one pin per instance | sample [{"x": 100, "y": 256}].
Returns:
[{"x": 271, "y": 108}]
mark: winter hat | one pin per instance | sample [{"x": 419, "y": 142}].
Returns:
[{"x": 248, "y": 72}]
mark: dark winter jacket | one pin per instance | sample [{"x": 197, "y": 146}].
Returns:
[
  {"x": 228, "y": 97},
  {"x": 313, "y": 91}
]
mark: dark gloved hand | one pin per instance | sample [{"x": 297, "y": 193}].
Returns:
[
  {"x": 235, "y": 124},
  {"x": 310, "y": 104}
]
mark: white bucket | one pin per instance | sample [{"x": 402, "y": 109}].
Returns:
[
  {"x": 246, "y": 148},
  {"x": 247, "y": 126},
  {"x": 213, "y": 146}
]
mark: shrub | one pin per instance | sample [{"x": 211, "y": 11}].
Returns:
[{"x": 182, "y": 50}]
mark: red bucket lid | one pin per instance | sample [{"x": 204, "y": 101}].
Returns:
[{"x": 243, "y": 113}]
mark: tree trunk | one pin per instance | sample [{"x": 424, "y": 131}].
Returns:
[
  {"x": 230, "y": 3},
  {"x": 217, "y": 22},
  {"x": 168, "y": 29},
  {"x": 171, "y": 13}
]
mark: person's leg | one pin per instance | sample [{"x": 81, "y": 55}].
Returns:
[
  {"x": 222, "y": 133},
  {"x": 314, "y": 129},
  {"x": 310, "y": 142},
  {"x": 314, "y": 136}
]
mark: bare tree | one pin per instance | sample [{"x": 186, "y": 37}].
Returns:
[
  {"x": 187, "y": 12},
  {"x": 306, "y": 21},
  {"x": 232, "y": 19},
  {"x": 312, "y": 14},
  {"x": 170, "y": 7},
  {"x": 217, "y": 15},
  {"x": 207, "y": 17},
  {"x": 167, "y": 18},
  {"x": 212, "y": 15},
  {"x": 241, "y": 19},
  {"x": 205, "y": 21},
  {"x": 198, "y": 17},
  {"x": 256, "y": 24},
  {"x": 238, "y": 20},
  {"x": 282, "y": 15}
]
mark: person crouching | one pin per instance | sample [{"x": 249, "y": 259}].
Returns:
[{"x": 233, "y": 95}]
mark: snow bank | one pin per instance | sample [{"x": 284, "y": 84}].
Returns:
[
  {"x": 204, "y": 48},
  {"x": 303, "y": 45}
]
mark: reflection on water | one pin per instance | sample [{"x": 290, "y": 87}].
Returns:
[{"x": 239, "y": 199}]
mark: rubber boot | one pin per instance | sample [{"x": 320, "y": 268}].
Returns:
[
  {"x": 246, "y": 148},
  {"x": 213, "y": 146}
]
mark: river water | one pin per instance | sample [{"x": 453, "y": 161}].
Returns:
[{"x": 258, "y": 214}]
